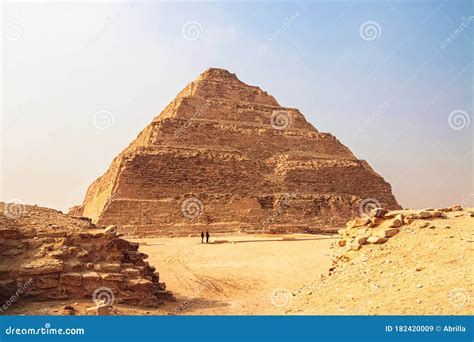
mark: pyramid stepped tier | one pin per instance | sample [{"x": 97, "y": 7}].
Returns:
[{"x": 236, "y": 160}]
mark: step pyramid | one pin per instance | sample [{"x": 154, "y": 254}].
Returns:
[{"x": 225, "y": 156}]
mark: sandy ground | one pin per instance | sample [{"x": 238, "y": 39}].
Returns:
[
  {"x": 245, "y": 275},
  {"x": 427, "y": 268},
  {"x": 419, "y": 271}
]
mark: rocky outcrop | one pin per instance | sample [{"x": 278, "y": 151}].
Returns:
[
  {"x": 421, "y": 267},
  {"x": 46, "y": 255},
  {"x": 381, "y": 225},
  {"x": 226, "y": 155}
]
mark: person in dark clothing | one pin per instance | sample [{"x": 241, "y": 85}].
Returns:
[
  {"x": 202, "y": 237},
  {"x": 207, "y": 236}
]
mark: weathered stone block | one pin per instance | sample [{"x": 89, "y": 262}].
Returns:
[
  {"x": 100, "y": 310},
  {"x": 41, "y": 266},
  {"x": 396, "y": 222},
  {"x": 47, "y": 282},
  {"x": 425, "y": 215},
  {"x": 71, "y": 279},
  {"x": 107, "y": 267},
  {"x": 376, "y": 240},
  {"x": 113, "y": 276},
  {"x": 139, "y": 285},
  {"x": 130, "y": 272}
]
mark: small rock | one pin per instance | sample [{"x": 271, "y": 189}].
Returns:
[
  {"x": 358, "y": 222},
  {"x": 456, "y": 208},
  {"x": 355, "y": 246},
  {"x": 376, "y": 240},
  {"x": 438, "y": 213},
  {"x": 418, "y": 268},
  {"x": 100, "y": 310},
  {"x": 419, "y": 286},
  {"x": 397, "y": 221},
  {"x": 425, "y": 215},
  {"x": 391, "y": 232},
  {"x": 68, "y": 310},
  {"x": 362, "y": 240},
  {"x": 112, "y": 229}
]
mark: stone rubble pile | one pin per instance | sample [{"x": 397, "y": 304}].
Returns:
[
  {"x": 71, "y": 259},
  {"x": 381, "y": 225}
]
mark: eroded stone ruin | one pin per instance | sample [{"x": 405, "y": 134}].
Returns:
[{"x": 46, "y": 255}]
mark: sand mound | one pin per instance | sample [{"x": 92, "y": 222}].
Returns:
[{"x": 398, "y": 262}]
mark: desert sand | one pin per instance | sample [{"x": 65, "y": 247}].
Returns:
[
  {"x": 426, "y": 268},
  {"x": 247, "y": 274}
]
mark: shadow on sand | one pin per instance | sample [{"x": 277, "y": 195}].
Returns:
[{"x": 216, "y": 242}]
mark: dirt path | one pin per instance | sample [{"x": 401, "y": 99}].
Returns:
[{"x": 246, "y": 275}]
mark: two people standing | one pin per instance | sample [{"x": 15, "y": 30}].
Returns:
[{"x": 207, "y": 237}]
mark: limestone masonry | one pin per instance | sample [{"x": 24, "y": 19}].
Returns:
[
  {"x": 225, "y": 156},
  {"x": 46, "y": 255}
]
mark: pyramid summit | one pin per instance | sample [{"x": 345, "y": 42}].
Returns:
[{"x": 226, "y": 156}]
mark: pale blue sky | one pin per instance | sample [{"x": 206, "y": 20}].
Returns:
[{"x": 388, "y": 98}]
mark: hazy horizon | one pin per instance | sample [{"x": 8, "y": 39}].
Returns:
[{"x": 392, "y": 81}]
